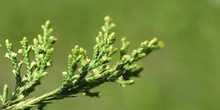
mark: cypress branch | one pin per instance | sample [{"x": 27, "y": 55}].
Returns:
[{"x": 82, "y": 74}]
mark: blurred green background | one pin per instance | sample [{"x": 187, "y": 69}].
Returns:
[{"x": 185, "y": 75}]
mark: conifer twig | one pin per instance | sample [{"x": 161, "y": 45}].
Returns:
[{"x": 82, "y": 74}]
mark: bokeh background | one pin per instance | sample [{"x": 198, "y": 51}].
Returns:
[{"x": 185, "y": 75}]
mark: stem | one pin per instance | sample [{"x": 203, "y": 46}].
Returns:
[{"x": 33, "y": 101}]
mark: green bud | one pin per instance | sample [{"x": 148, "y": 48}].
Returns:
[
  {"x": 13, "y": 54},
  {"x": 107, "y": 18},
  {"x": 20, "y": 51},
  {"x": 35, "y": 41},
  {"x": 6, "y": 55}
]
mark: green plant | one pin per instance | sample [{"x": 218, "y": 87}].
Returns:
[{"x": 82, "y": 74}]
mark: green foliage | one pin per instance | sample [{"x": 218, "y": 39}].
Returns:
[{"x": 82, "y": 74}]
